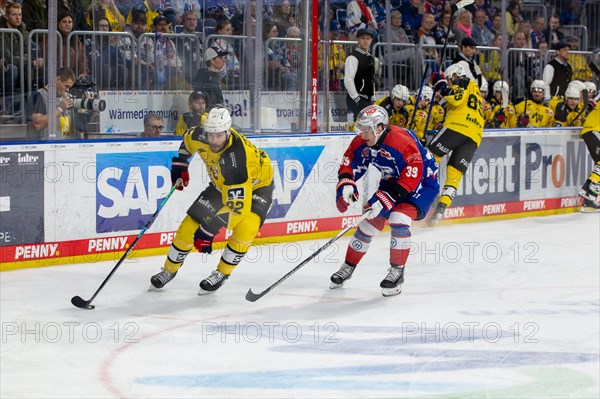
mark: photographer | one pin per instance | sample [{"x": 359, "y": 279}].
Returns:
[{"x": 37, "y": 108}]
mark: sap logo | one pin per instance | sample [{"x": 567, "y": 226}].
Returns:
[
  {"x": 291, "y": 168},
  {"x": 129, "y": 188}
]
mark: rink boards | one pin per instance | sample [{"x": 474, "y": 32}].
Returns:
[{"x": 66, "y": 202}]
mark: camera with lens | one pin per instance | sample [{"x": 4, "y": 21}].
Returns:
[{"x": 85, "y": 97}]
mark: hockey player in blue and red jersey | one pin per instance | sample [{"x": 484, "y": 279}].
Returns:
[{"x": 407, "y": 188}]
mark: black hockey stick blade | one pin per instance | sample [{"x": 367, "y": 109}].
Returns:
[
  {"x": 81, "y": 303},
  {"x": 252, "y": 297}
]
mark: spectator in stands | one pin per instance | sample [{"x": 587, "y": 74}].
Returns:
[
  {"x": 281, "y": 16},
  {"x": 482, "y": 35},
  {"x": 167, "y": 64},
  {"x": 496, "y": 24},
  {"x": 105, "y": 9},
  {"x": 443, "y": 29},
  {"x": 153, "y": 125},
  {"x": 359, "y": 16},
  {"x": 106, "y": 60},
  {"x": 337, "y": 56},
  {"x": 73, "y": 50},
  {"x": 35, "y": 15},
  {"x": 378, "y": 13},
  {"x": 2, "y": 9},
  {"x": 519, "y": 66},
  {"x": 359, "y": 78},
  {"x": 231, "y": 73},
  {"x": 492, "y": 67},
  {"x": 189, "y": 48},
  {"x": 581, "y": 70},
  {"x": 273, "y": 55},
  {"x": 152, "y": 9},
  {"x": 9, "y": 43},
  {"x": 412, "y": 14},
  {"x": 558, "y": 73},
  {"x": 466, "y": 59},
  {"x": 292, "y": 59},
  {"x": 427, "y": 37},
  {"x": 538, "y": 61},
  {"x": 552, "y": 33},
  {"x": 537, "y": 31},
  {"x": 129, "y": 47},
  {"x": 37, "y": 107},
  {"x": 525, "y": 27},
  {"x": 513, "y": 18},
  {"x": 463, "y": 25},
  {"x": 402, "y": 55},
  {"x": 208, "y": 80}
]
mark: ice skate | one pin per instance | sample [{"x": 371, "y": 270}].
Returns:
[
  {"x": 437, "y": 215},
  {"x": 212, "y": 282},
  {"x": 159, "y": 280},
  {"x": 590, "y": 191},
  {"x": 590, "y": 206},
  {"x": 392, "y": 283},
  {"x": 338, "y": 278}
]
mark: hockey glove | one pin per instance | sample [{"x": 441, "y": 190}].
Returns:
[
  {"x": 437, "y": 77},
  {"x": 441, "y": 86},
  {"x": 357, "y": 100},
  {"x": 380, "y": 204},
  {"x": 203, "y": 240},
  {"x": 499, "y": 117},
  {"x": 179, "y": 172},
  {"x": 523, "y": 121},
  {"x": 345, "y": 193}
]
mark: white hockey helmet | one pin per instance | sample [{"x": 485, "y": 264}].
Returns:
[
  {"x": 218, "y": 120},
  {"x": 455, "y": 69},
  {"x": 400, "y": 92},
  {"x": 590, "y": 86},
  {"x": 499, "y": 85},
  {"x": 538, "y": 84},
  {"x": 372, "y": 116},
  {"x": 572, "y": 92},
  {"x": 484, "y": 87},
  {"x": 427, "y": 93}
]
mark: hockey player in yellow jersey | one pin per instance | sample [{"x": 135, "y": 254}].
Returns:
[
  {"x": 238, "y": 197},
  {"x": 567, "y": 112},
  {"x": 461, "y": 133},
  {"x": 395, "y": 105},
  {"x": 501, "y": 113},
  {"x": 590, "y": 133},
  {"x": 532, "y": 112},
  {"x": 418, "y": 114}
]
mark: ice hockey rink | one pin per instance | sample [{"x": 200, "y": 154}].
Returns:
[{"x": 506, "y": 309}]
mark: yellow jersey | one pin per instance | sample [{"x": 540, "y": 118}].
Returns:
[
  {"x": 236, "y": 171},
  {"x": 592, "y": 121},
  {"x": 539, "y": 114},
  {"x": 464, "y": 113}
]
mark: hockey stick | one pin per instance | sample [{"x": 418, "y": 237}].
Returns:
[
  {"x": 252, "y": 297},
  {"x": 461, "y": 4},
  {"x": 83, "y": 304},
  {"x": 586, "y": 101},
  {"x": 412, "y": 119},
  {"x": 594, "y": 69}
]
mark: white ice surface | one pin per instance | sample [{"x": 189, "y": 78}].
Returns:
[{"x": 501, "y": 309}]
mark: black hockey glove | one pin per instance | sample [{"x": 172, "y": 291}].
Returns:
[
  {"x": 523, "y": 121},
  {"x": 179, "y": 172},
  {"x": 203, "y": 239}
]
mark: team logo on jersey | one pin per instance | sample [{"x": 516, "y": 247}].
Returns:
[
  {"x": 129, "y": 188},
  {"x": 235, "y": 194}
]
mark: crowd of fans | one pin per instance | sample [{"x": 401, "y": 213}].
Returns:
[{"x": 169, "y": 62}]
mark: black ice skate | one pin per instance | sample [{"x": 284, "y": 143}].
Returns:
[
  {"x": 392, "y": 283},
  {"x": 590, "y": 206},
  {"x": 338, "y": 278},
  {"x": 159, "y": 280},
  {"x": 437, "y": 214},
  {"x": 212, "y": 282},
  {"x": 590, "y": 191}
]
